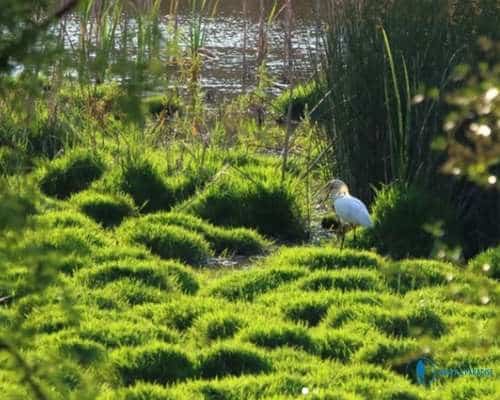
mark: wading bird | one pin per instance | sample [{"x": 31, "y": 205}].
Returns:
[{"x": 349, "y": 209}]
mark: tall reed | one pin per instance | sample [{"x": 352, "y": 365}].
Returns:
[{"x": 385, "y": 87}]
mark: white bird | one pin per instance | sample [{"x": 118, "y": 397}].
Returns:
[{"x": 349, "y": 209}]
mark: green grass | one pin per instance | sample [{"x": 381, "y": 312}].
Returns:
[
  {"x": 352, "y": 279},
  {"x": 109, "y": 289}
]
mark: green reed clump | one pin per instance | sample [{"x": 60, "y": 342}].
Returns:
[
  {"x": 121, "y": 333},
  {"x": 85, "y": 352},
  {"x": 338, "y": 344},
  {"x": 143, "y": 180},
  {"x": 124, "y": 293},
  {"x": 64, "y": 219},
  {"x": 309, "y": 310},
  {"x": 71, "y": 173},
  {"x": 165, "y": 275},
  {"x": 179, "y": 312},
  {"x": 388, "y": 352},
  {"x": 118, "y": 252},
  {"x": 157, "y": 273},
  {"x": 70, "y": 240},
  {"x": 139, "y": 391}
]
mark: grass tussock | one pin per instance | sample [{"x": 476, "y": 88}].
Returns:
[
  {"x": 487, "y": 263},
  {"x": 232, "y": 359},
  {"x": 254, "y": 198},
  {"x": 167, "y": 241},
  {"x": 108, "y": 210},
  {"x": 155, "y": 363},
  {"x": 247, "y": 285},
  {"x": 316, "y": 258},
  {"x": 407, "y": 223},
  {"x": 71, "y": 173},
  {"x": 241, "y": 241}
]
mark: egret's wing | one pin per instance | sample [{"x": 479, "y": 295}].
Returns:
[{"x": 352, "y": 211}]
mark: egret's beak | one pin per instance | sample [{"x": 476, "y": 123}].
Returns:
[{"x": 325, "y": 190}]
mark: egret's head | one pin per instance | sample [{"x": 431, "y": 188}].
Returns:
[{"x": 337, "y": 187}]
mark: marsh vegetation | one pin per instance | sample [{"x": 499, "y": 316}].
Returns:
[{"x": 162, "y": 234}]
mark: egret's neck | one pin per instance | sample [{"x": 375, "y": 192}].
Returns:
[{"x": 339, "y": 195}]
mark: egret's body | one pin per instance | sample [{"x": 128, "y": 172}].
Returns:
[
  {"x": 349, "y": 209},
  {"x": 352, "y": 211}
]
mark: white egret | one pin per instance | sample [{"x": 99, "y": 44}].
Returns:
[{"x": 349, "y": 209}]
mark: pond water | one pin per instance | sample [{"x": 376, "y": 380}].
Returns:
[{"x": 231, "y": 65}]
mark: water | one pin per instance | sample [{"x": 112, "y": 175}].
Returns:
[{"x": 230, "y": 68}]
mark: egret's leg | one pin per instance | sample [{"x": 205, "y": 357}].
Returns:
[{"x": 342, "y": 230}]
